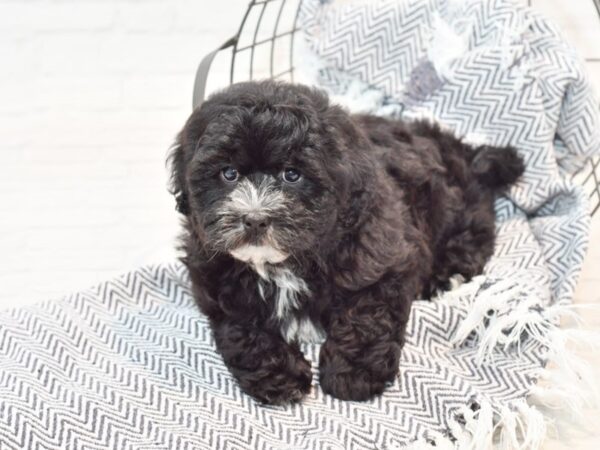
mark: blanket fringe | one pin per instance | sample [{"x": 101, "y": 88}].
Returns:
[
  {"x": 505, "y": 315},
  {"x": 518, "y": 427},
  {"x": 567, "y": 383},
  {"x": 495, "y": 319},
  {"x": 571, "y": 382}
]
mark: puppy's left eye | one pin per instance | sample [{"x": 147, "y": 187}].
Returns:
[{"x": 291, "y": 175}]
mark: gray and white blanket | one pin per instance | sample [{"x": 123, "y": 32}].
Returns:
[{"x": 131, "y": 364}]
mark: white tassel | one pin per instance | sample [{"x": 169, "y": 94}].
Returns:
[
  {"x": 507, "y": 427},
  {"x": 497, "y": 299},
  {"x": 498, "y": 316},
  {"x": 532, "y": 424},
  {"x": 571, "y": 383},
  {"x": 498, "y": 321},
  {"x": 568, "y": 383},
  {"x": 478, "y": 429},
  {"x": 519, "y": 427}
]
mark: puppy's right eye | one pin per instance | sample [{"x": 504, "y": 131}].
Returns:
[{"x": 229, "y": 174}]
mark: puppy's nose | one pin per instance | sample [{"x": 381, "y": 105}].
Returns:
[{"x": 255, "y": 223}]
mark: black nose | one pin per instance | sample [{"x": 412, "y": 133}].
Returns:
[{"x": 255, "y": 223}]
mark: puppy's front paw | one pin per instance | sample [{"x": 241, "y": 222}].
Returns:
[
  {"x": 279, "y": 380},
  {"x": 357, "y": 385},
  {"x": 342, "y": 379}
]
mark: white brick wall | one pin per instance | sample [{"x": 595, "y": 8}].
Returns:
[{"x": 91, "y": 95}]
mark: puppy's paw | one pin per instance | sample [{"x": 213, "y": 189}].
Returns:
[
  {"x": 282, "y": 388},
  {"x": 346, "y": 380},
  {"x": 358, "y": 385},
  {"x": 279, "y": 381}
]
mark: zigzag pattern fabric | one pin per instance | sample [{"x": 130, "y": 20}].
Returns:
[{"x": 131, "y": 364}]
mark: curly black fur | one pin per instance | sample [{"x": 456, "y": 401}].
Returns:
[{"x": 385, "y": 212}]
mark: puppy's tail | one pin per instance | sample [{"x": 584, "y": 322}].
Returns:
[{"x": 497, "y": 167}]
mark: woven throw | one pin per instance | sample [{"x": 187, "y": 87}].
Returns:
[{"x": 131, "y": 363}]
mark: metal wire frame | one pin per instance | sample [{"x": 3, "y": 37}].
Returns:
[
  {"x": 262, "y": 4},
  {"x": 589, "y": 177},
  {"x": 236, "y": 49}
]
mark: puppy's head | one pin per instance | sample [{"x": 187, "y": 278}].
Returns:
[{"x": 262, "y": 170}]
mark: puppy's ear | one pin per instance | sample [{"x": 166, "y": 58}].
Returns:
[
  {"x": 183, "y": 150},
  {"x": 352, "y": 171},
  {"x": 176, "y": 163},
  {"x": 186, "y": 144}
]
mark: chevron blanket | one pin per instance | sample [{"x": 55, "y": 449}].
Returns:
[{"x": 131, "y": 364}]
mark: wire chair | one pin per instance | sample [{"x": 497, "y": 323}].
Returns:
[{"x": 263, "y": 47}]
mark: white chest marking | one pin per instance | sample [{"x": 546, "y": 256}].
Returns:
[
  {"x": 288, "y": 288},
  {"x": 302, "y": 330}
]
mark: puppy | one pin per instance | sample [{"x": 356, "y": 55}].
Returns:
[{"x": 304, "y": 223}]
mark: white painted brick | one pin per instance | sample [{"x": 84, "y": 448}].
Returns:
[
  {"x": 14, "y": 130},
  {"x": 196, "y": 16},
  {"x": 65, "y": 127},
  {"x": 53, "y": 285},
  {"x": 87, "y": 93},
  {"x": 153, "y": 127},
  {"x": 150, "y": 91},
  {"x": 19, "y": 59},
  {"x": 134, "y": 54},
  {"x": 12, "y": 154},
  {"x": 70, "y": 239},
  {"x": 73, "y": 54},
  {"x": 159, "y": 54},
  {"x": 63, "y": 175},
  {"x": 84, "y": 152},
  {"x": 39, "y": 16},
  {"x": 106, "y": 198},
  {"x": 16, "y": 97},
  {"x": 147, "y": 16}
]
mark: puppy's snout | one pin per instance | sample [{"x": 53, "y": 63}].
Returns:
[{"x": 254, "y": 223}]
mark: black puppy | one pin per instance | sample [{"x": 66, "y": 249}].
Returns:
[{"x": 306, "y": 223}]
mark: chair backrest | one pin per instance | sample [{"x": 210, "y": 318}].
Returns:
[{"x": 264, "y": 46}]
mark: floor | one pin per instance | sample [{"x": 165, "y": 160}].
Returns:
[{"x": 90, "y": 107}]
